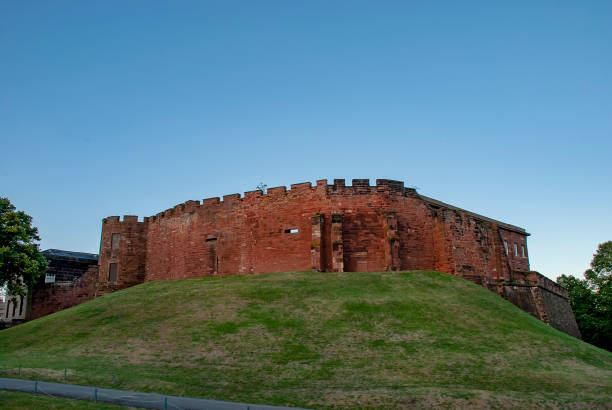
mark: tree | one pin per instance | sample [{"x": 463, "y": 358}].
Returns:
[
  {"x": 591, "y": 298},
  {"x": 20, "y": 260}
]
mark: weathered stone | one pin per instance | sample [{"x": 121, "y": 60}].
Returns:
[{"x": 331, "y": 228}]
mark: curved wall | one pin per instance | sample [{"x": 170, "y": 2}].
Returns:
[
  {"x": 327, "y": 228},
  {"x": 356, "y": 228}
]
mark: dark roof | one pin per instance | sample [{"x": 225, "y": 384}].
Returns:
[
  {"x": 504, "y": 225},
  {"x": 78, "y": 256}
]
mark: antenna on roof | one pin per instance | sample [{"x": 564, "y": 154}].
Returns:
[{"x": 263, "y": 187}]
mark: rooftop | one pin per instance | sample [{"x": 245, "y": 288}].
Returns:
[
  {"x": 70, "y": 255},
  {"x": 504, "y": 225}
]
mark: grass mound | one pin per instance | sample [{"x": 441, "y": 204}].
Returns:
[
  {"x": 28, "y": 401},
  {"x": 314, "y": 340}
]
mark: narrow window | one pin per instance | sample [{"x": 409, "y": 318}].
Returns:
[
  {"x": 523, "y": 250},
  {"x": 212, "y": 265},
  {"x": 112, "y": 272},
  {"x": 515, "y": 250},
  {"x": 506, "y": 247},
  {"x": 115, "y": 241},
  {"x": 20, "y": 305},
  {"x": 14, "y": 307},
  {"x": 293, "y": 230},
  {"x": 8, "y": 304}
]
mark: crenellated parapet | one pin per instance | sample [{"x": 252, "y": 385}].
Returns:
[
  {"x": 279, "y": 209},
  {"x": 534, "y": 278},
  {"x": 542, "y": 298},
  {"x": 374, "y": 229},
  {"x": 332, "y": 227},
  {"x": 386, "y": 187},
  {"x": 363, "y": 187},
  {"x": 122, "y": 252}
]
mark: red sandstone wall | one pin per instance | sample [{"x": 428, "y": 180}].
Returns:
[
  {"x": 129, "y": 257},
  {"x": 236, "y": 235},
  {"x": 472, "y": 247},
  {"x": 53, "y": 297},
  {"x": 382, "y": 227},
  {"x": 340, "y": 228},
  {"x": 248, "y": 235},
  {"x": 466, "y": 246},
  {"x": 517, "y": 262}
]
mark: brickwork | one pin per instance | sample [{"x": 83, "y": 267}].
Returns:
[
  {"x": 542, "y": 298},
  {"x": 128, "y": 254},
  {"x": 69, "y": 280},
  {"x": 559, "y": 313},
  {"x": 52, "y": 297},
  {"x": 317, "y": 246},
  {"x": 325, "y": 227}
]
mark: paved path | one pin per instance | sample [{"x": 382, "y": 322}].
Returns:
[{"x": 126, "y": 397}]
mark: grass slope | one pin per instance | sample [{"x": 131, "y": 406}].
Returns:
[
  {"x": 26, "y": 401},
  {"x": 315, "y": 340}
]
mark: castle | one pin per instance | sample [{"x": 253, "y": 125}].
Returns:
[
  {"x": 327, "y": 228},
  {"x": 332, "y": 228}
]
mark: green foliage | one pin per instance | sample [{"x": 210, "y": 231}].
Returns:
[
  {"x": 591, "y": 298},
  {"x": 602, "y": 260},
  {"x": 20, "y": 260}
]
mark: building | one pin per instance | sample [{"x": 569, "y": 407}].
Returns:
[
  {"x": 326, "y": 228},
  {"x": 13, "y": 309},
  {"x": 330, "y": 228},
  {"x": 70, "y": 279}
]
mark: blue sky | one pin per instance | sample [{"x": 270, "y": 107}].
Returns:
[{"x": 502, "y": 108}]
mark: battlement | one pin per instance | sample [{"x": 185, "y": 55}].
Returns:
[
  {"x": 253, "y": 194},
  {"x": 363, "y": 187},
  {"x": 551, "y": 285},
  {"x": 534, "y": 278},
  {"x": 128, "y": 219},
  {"x": 301, "y": 186},
  {"x": 328, "y": 227},
  {"x": 358, "y": 187}
]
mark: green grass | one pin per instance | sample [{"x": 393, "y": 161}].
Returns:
[
  {"x": 315, "y": 340},
  {"x": 26, "y": 401}
]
